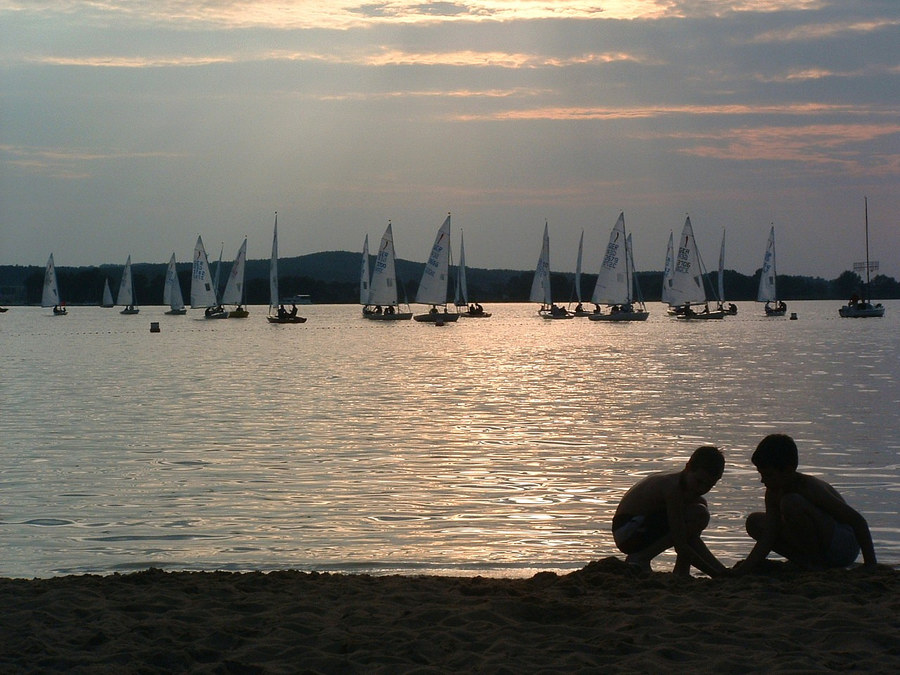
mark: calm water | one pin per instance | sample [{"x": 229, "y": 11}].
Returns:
[{"x": 496, "y": 446}]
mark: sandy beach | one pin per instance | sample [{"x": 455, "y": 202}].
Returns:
[{"x": 605, "y": 617}]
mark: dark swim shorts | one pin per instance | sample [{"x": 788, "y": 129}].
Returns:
[{"x": 634, "y": 533}]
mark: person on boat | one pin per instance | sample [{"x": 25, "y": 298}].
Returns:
[
  {"x": 578, "y": 308},
  {"x": 668, "y": 509},
  {"x": 805, "y": 520},
  {"x": 687, "y": 309},
  {"x": 282, "y": 312},
  {"x": 389, "y": 309},
  {"x": 732, "y": 308},
  {"x": 293, "y": 310},
  {"x": 597, "y": 309},
  {"x": 433, "y": 310}
]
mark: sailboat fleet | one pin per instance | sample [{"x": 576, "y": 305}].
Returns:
[{"x": 616, "y": 295}]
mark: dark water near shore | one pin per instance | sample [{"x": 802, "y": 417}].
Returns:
[{"x": 496, "y": 446}]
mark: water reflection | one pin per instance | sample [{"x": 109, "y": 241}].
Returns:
[{"x": 343, "y": 444}]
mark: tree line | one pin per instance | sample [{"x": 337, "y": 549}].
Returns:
[{"x": 331, "y": 278}]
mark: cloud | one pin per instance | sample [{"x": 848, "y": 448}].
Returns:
[
  {"x": 816, "y": 145},
  {"x": 65, "y": 163},
  {"x": 821, "y": 31}
]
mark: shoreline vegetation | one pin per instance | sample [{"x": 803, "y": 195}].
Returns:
[
  {"x": 332, "y": 277},
  {"x": 605, "y": 617}
]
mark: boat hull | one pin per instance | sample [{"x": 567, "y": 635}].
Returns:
[
  {"x": 481, "y": 315},
  {"x": 436, "y": 317},
  {"x": 620, "y": 316},
  {"x": 238, "y": 314},
  {"x": 396, "y": 316},
  {"x": 286, "y": 319},
  {"x": 130, "y": 310},
  {"x": 700, "y": 316},
  {"x": 870, "y": 311},
  {"x": 177, "y": 312}
]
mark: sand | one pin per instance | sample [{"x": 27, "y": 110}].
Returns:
[{"x": 605, "y": 617}]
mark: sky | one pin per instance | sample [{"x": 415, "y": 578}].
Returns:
[{"x": 130, "y": 127}]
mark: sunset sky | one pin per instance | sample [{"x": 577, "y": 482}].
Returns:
[{"x": 129, "y": 127}]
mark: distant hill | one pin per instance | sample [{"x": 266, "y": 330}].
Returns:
[{"x": 333, "y": 277}]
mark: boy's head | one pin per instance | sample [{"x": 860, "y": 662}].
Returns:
[
  {"x": 703, "y": 470},
  {"x": 776, "y": 451},
  {"x": 709, "y": 459}
]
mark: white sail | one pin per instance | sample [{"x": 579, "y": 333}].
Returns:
[
  {"x": 767, "y": 291},
  {"x": 364, "y": 276},
  {"x": 667, "y": 272},
  {"x": 107, "y": 295},
  {"x": 578, "y": 268},
  {"x": 687, "y": 276},
  {"x": 613, "y": 280},
  {"x": 433, "y": 287},
  {"x": 461, "y": 296},
  {"x": 632, "y": 285},
  {"x": 172, "y": 290},
  {"x": 540, "y": 287},
  {"x": 202, "y": 292},
  {"x": 273, "y": 270},
  {"x": 50, "y": 295},
  {"x": 721, "y": 297},
  {"x": 125, "y": 297},
  {"x": 383, "y": 290},
  {"x": 234, "y": 288}
]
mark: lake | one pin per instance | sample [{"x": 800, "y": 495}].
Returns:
[{"x": 493, "y": 446}]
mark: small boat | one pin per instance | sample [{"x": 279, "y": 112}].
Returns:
[
  {"x": 125, "y": 297},
  {"x": 172, "y": 291},
  {"x": 107, "y": 300},
  {"x": 687, "y": 291},
  {"x": 234, "y": 287},
  {"x": 472, "y": 310},
  {"x": 540, "y": 287},
  {"x": 203, "y": 293},
  {"x": 277, "y": 312},
  {"x": 861, "y": 307},
  {"x": 768, "y": 291},
  {"x": 433, "y": 286},
  {"x": 615, "y": 282},
  {"x": 579, "y": 309},
  {"x": 380, "y": 303},
  {"x": 50, "y": 295}
]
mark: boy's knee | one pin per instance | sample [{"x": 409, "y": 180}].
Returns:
[
  {"x": 756, "y": 524},
  {"x": 696, "y": 517}
]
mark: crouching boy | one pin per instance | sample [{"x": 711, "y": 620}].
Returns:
[
  {"x": 806, "y": 520},
  {"x": 668, "y": 509}
]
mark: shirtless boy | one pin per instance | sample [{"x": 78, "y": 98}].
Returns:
[
  {"x": 806, "y": 520},
  {"x": 668, "y": 509}
]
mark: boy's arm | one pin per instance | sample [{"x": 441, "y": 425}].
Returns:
[
  {"x": 701, "y": 557},
  {"x": 764, "y": 544}
]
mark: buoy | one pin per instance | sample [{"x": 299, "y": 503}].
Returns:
[
  {"x": 154, "y": 326},
  {"x": 793, "y": 316}
]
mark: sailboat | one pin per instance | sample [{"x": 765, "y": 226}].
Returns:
[
  {"x": 172, "y": 290},
  {"x": 615, "y": 282},
  {"x": 234, "y": 287},
  {"x": 433, "y": 286},
  {"x": 668, "y": 270},
  {"x": 731, "y": 308},
  {"x": 126, "y": 291},
  {"x": 461, "y": 296},
  {"x": 768, "y": 292},
  {"x": 277, "y": 312},
  {"x": 862, "y": 307},
  {"x": 579, "y": 308},
  {"x": 107, "y": 300},
  {"x": 381, "y": 303},
  {"x": 687, "y": 286},
  {"x": 540, "y": 287},
  {"x": 203, "y": 294},
  {"x": 50, "y": 295}
]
